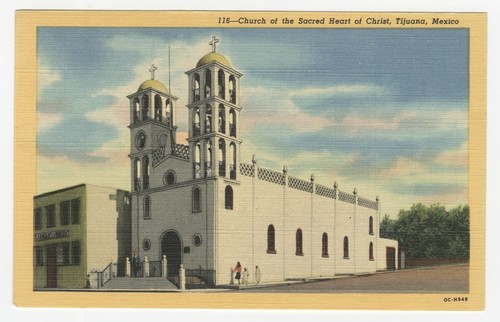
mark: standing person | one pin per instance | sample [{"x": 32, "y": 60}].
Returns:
[
  {"x": 135, "y": 265},
  {"x": 238, "y": 269},
  {"x": 257, "y": 274},
  {"x": 245, "y": 276}
]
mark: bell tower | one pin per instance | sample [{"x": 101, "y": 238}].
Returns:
[
  {"x": 214, "y": 111},
  {"x": 152, "y": 129}
]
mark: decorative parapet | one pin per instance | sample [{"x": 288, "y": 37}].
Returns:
[
  {"x": 325, "y": 191},
  {"x": 158, "y": 155},
  {"x": 181, "y": 151},
  {"x": 363, "y": 202},
  {"x": 300, "y": 184},
  {"x": 347, "y": 197},
  {"x": 247, "y": 169},
  {"x": 303, "y": 185},
  {"x": 271, "y": 176}
]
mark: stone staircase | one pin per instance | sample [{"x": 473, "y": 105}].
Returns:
[{"x": 139, "y": 283}]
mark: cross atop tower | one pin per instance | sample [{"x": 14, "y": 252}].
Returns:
[
  {"x": 152, "y": 70},
  {"x": 213, "y": 42}
]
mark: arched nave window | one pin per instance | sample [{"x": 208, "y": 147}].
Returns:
[
  {"x": 370, "y": 226},
  {"x": 228, "y": 200},
  {"x": 196, "y": 199},
  {"x": 346, "y": 247},
  {"x": 324, "y": 245},
  {"x": 371, "y": 252},
  {"x": 270, "y": 240},
  {"x": 298, "y": 243},
  {"x": 147, "y": 208}
]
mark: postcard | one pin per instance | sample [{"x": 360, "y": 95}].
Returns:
[{"x": 251, "y": 160}]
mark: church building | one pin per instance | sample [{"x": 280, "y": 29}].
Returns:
[{"x": 199, "y": 205}]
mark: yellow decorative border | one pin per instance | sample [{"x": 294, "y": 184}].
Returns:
[{"x": 25, "y": 164}]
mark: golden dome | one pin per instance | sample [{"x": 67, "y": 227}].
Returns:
[
  {"x": 153, "y": 84},
  {"x": 213, "y": 56}
]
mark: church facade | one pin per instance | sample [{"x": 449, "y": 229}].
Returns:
[{"x": 201, "y": 206}]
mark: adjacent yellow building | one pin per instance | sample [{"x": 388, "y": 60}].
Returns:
[{"x": 77, "y": 230}]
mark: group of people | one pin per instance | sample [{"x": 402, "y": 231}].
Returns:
[{"x": 242, "y": 274}]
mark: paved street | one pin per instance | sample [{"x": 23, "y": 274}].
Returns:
[{"x": 450, "y": 279}]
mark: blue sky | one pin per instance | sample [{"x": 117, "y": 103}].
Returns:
[{"x": 381, "y": 110}]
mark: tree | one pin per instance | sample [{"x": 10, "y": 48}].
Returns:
[{"x": 430, "y": 232}]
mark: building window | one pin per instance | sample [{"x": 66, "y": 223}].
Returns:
[
  {"x": 62, "y": 254},
  {"x": 145, "y": 172},
  {"x": 50, "y": 213},
  {"x": 346, "y": 247},
  {"x": 197, "y": 240},
  {"x": 145, "y": 107},
  {"x": 324, "y": 245},
  {"x": 146, "y": 244},
  {"x": 298, "y": 243},
  {"x": 76, "y": 252},
  {"x": 228, "y": 197},
  {"x": 147, "y": 208},
  {"x": 271, "y": 240},
  {"x": 371, "y": 252},
  {"x": 169, "y": 178},
  {"x": 38, "y": 255},
  {"x": 140, "y": 140},
  {"x": 38, "y": 218},
  {"x": 370, "y": 226},
  {"x": 75, "y": 211},
  {"x": 64, "y": 209},
  {"x": 196, "y": 199}
]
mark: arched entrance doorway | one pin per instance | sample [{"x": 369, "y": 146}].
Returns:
[{"x": 171, "y": 246}]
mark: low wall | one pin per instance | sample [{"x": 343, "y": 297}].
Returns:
[{"x": 421, "y": 262}]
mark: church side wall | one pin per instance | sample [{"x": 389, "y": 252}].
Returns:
[
  {"x": 344, "y": 227},
  {"x": 363, "y": 239},
  {"x": 234, "y": 241},
  {"x": 298, "y": 216},
  {"x": 323, "y": 223}
]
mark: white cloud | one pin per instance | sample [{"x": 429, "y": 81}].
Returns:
[
  {"x": 458, "y": 157},
  {"x": 404, "y": 167},
  {"x": 341, "y": 89},
  {"x": 46, "y": 77},
  {"x": 45, "y": 121}
]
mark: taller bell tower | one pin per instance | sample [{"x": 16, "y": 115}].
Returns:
[
  {"x": 214, "y": 110},
  {"x": 152, "y": 129}
]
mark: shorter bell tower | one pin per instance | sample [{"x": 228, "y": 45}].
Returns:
[{"x": 152, "y": 129}]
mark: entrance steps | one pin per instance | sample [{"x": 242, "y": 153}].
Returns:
[{"x": 139, "y": 283}]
